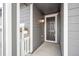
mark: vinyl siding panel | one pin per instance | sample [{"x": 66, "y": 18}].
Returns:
[
  {"x": 37, "y": 40},
  {"x": 73, "y": 12},
  {"x": 0, "y": 34},
  {"x": 73, "y": 29},
  {"x": 73, "y": 36},
  {"x": 73, "y": 5},
  {"x": 74, "y": 19},
  {"x": 25, "y": 15},
  {"x": 0, "y": 43},
  {"x": 14, "y": 34}
]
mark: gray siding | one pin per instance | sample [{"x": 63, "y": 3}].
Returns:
[
  {"x": 0, "y": 34},
  {"x": 58, "y": 28},
  {"x": 4, "y": 30},
  {"x": 73, "y": 29},
  {"x": 0, "y": 16},
  {"x": 25, "y": 15},
  {"x": 36, "y": 28},
  {"x": 14, "y": 27}
]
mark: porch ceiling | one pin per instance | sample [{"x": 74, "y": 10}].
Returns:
[{"x": 48, "y": 8}]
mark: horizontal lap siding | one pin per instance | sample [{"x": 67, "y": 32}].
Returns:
[
  {"x": 73, "y": 12},
  {"x": 25, "y": 15},
  {"x": 37, "y": 41},
  {"x": 73, "y": 29},
  {"x": 0, "y": 39},
  {"x": 73, "y": 5},
  {"x": 0, "y": 35}
]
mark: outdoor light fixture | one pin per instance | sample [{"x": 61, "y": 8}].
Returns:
[{"x": 41, "y": 21}]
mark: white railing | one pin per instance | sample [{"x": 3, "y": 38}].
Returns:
[
  {"x": 26, "y": 45},
  {"x": 24, "y": 41}
]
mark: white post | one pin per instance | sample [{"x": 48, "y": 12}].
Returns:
[
  {"x": 8, "y": 25},
  {"x": 65, "y": 29},
  {"x": 18, "y": 29},
  {"x": 45, "y": 29},
  {"x": 31, "y": 28},
  {"x": 56, "y": 37},
  {"x": 22, "y": 40}
]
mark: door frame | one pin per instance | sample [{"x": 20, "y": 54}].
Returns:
[{"x": 51, "y": 15}]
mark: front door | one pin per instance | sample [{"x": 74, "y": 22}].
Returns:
[{"x": 51, "y": 28}]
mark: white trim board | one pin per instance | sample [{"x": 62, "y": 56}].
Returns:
[
  {"x": 8, "y": 19},
  {"x": 51, "y": 15},
  {"x": 18, "y": 29},
  {"x": 65, "y": 29},
  {"x": 31, "y": 28}
]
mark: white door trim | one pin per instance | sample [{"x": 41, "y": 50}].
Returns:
[{"x": 51, "y": 15}]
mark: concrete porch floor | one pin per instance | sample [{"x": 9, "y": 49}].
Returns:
[{"x": 48, "y": 49}]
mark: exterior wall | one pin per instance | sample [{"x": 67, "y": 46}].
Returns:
[
  {"x": 62, "y": 28},
  {"x": 24, "y": 18},
  {"x": 0, "y": 33},
  {"x": 14, "y": 28},
  {"x": 0, "y": 16},
  {"x": 41, "y": 32},
  {"x": 4, "y": 30},
  {"x": 8, "y": 30},
  {"x": 58, "y": 28},
  {"x": 7, "y": 39},
  {"x": 25, "y": 15},
  {"x": 73, "y": 29},
  {"x": 36, "y": 28}
]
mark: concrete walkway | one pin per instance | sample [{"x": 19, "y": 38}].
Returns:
[{"x": 48, "y": 49}]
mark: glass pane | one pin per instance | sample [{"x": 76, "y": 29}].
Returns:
[{"x": 50, "y": 28}]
